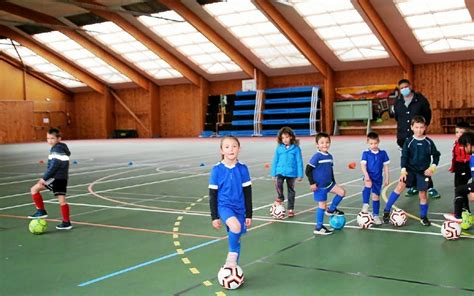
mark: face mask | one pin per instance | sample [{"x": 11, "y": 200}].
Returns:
[{"x": 405, "y": 91}]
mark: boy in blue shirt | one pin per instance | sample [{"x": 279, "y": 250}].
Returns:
[
  {"x": 54, "y": 179},
  {"x": 374, "y": 162},
  {"x": 230, "y": 196},
  {"x": 321, "y": 179},
  {"x": 419, "y": 160}
]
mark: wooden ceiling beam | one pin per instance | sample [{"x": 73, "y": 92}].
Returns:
[
  {"x": 210, "y": 34},
  {"x": 97, "y": 50},
  {"x": 388, "y": 39},
  {"x": 146, "y": 40},
  {"x": 294, "y": 36},
  {"x": 54, "y": 58}
]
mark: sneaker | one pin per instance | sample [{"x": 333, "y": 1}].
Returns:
[
  {"x": 386, "y": 217},
  {"x": 39, "y": 214},
  {"x": 64, "y": 226},
  {"x": 291, "y": 213},
  {"x": 433, "y": 193},
  {"x": 425, "y": 222},
  {"x": 466, "y": 217},
  {"x": 377, "y": 220},
  {"x": 411, "y": 192},
  {"x": 231, "y": 260},
  {"x": 335, "y": 212},
  {"x": 322, "y": 231},
  {"x": 365, "y": 208},
  {"x": 453, "y": 218}
]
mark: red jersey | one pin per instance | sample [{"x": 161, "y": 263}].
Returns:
[{"x": 459, "y": 155}]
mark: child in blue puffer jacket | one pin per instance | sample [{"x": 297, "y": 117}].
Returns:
[{"x": 287, "y": 165}]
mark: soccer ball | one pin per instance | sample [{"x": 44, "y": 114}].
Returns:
[
  {"x": 38, "y": 226},
  {"x": 451, "y": 230},
  {"x": 337, "y": 222},
  {"x": 230, "y": 277},
  {"x": 277, "y": 211},
  {"x": 365, "y": 220},
  {"x": 398, "y": 217}
]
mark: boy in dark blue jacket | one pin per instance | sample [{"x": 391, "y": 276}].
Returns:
[
  {"x": 419, "y": 160},
  {"x": 54, "y": 179}
]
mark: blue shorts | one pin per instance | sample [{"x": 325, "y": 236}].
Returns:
[
  {"x": 376, "y": 186},
  {"x": 418, "y": 181},
  {"x": 321, "y": 194},
  {"x": 225, "y": 213}
]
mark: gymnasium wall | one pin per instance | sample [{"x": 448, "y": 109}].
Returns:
[{"x": 50, "y": 107}]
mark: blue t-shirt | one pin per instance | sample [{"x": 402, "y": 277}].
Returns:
[
  {"x": 228, "y": 181},
  {"x": 471, "y": 162},
  {"x": 374, "y": 161},
  {"x": 322, "y": 173}
]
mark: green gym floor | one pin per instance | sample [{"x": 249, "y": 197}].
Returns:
[{"x": 142, "y": 227}]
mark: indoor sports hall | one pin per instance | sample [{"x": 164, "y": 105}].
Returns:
[{"x": 145, "y": 94}]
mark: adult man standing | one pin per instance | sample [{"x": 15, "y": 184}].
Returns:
[{"x": 409, "y": 104}]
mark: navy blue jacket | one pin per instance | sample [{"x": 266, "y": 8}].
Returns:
[
  {"x": 419, "y": 105},
  {"x": 417, "y": 154},
  {"x": 58, "y": 162}
]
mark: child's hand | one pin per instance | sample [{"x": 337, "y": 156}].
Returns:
[
  {"x": 299, "y": 179},
  {"x": 313, "y": 187},
  {"x": 367, "y": 182},
  {"x": 451, "y": 170},
  {"x": 216, "y": 223},
  {"x": 274, "y": 179},
  {"x": 429, "y": 172},
  {"x": 248, "y": 222}
]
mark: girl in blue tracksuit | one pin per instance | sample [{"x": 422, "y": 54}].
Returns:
[{"x": 287, "y": 165}]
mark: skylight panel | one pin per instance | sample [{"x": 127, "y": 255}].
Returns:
[
  {"x": 39, "y": 64},
  {"x": 439, "y": 26},
  {"x": 134, "y": 51},
  {"x": 79, "y": 55},
  {"x": 256, "y": 32},
  {"x": 190, "y": 42},
  {"x": 342, "y": 28}
]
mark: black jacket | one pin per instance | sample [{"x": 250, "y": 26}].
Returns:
[
  {"x": 58, "y": 162},
  {"x": 419, "y": 105}
]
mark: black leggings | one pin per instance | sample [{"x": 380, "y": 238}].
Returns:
[
  {"x": 461, "y": 198},
  {"x": 290, "y": 184}
]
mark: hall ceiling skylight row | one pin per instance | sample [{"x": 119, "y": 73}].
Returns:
[
  {"x": 342, "y": 28},
  {"x": 131, "y": 49},
  {"x": 31, "y": 59},
  {"x": 256, "y": 32},
  {"x": 74, "y": 52},
  {"x": 190, "y": 42},
  {"x": 439, "y": 26}
]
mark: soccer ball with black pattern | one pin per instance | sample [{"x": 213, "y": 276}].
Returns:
[
  {"x": 451, "y": 230},
  {"x": 365, "y": 220},
  {"x": 277, "y": 211},
  {"x": 230, "y": 277},
  {"x": 398, "y": 217}
]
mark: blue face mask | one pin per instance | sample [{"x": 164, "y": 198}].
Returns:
[{"x": 405, "y": 91}]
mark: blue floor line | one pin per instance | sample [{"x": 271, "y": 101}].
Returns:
[{"x": 145, "y": 264}]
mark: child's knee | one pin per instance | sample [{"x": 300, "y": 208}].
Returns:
[{"x": 235, "y": 228}]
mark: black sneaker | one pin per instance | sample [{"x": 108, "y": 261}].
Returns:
[
  {"x": 322, "y": 231},
  {"x": 425, "y": 222},
  {"x": 386, "y": 217},
  {"x": 64, "y": 226},
  {"x": 40, "y": 214},
  {"x": 335, "y": 212}
]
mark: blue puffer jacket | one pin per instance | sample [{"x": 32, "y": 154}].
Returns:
[
  {"x": 287, "y": 162},
  {"x": 58, "y": 162}
]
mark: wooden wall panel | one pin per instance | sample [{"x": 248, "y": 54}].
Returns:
[
  {"x": 138, "y": 100},
  {"x": 181, "y": 108},
  {"x": 387, "y": 75},
  {"x": 16, "y": 122},
  {"x": 224, "y": 87},
  {"x": 48, "y": 101},
  {"x": 94, "y": 115},
  {"x": 446, "y": 85},
  {"x": 295, "y": 80}
]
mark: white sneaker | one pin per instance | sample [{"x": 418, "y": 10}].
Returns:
[
  {"x": 323, "y": 231},
  {"x": 231, "y": 260},
  {"x": 377, "y": 220},
  {"x": 365, "y": 208},
  {"x": 451, "y": 217}
]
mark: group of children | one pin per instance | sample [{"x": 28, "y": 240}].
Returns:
[{"x": 230, "y": 185}]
